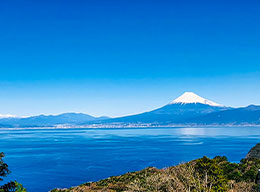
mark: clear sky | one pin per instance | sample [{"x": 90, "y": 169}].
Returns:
[{"x": 119, "y": 57}]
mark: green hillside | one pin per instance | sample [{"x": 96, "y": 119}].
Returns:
[{"x": 201, "y": 175}]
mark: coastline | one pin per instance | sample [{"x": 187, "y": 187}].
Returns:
[{"x": 132, "y": 126}]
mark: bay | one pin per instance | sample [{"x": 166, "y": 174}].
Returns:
[{"x": 43, "y": 159}]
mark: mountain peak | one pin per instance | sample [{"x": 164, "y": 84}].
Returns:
[{"x": 190, "y": 97}]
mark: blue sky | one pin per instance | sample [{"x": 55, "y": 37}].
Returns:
[{"x": 122, "y": 57}]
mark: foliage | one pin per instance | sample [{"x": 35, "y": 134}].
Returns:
[
  {"x": 212, "y": 174},
  {"x": 3, "y": 167},
  {"x": 201, "y": 175},
  {"x": 11, "y": 186}
]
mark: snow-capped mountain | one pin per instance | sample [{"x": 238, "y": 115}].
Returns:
[
  {"x": 188, "y": 109},
  {"x": 190, "y": 97},
  {"x": 188, "y": 105},
  {"x": 2, "y": 116}
]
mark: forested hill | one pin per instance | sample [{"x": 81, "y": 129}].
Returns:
[{"x": 204, "y": 174}]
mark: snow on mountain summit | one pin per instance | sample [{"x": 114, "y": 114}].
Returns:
[
  {"x": 2, "y": 116},
  {"x": 190, "y": 97}
]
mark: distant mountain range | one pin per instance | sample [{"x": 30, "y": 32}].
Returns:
[
  {"x": 187, "y": 106},
  {"x": 238, "y": 116},
  {"x": 188, "y": 109},
  {"x": 50, "y": 120}
]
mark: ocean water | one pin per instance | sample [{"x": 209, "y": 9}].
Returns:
[{"x": 43, "y": 159}]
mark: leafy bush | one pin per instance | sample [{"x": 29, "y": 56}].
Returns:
[
  {"x": 11, "y": 186},
  {"x": 201, "y": 175}
]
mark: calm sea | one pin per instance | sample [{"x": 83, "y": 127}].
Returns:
[{"x": 44, "y": 159}]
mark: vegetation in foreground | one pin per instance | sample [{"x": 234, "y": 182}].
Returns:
[
  {"x": 201, "y": 175},
  {"x": 11, "y": 186}
]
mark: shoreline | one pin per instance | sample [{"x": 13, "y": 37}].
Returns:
[{"x": 132, "y": 127}]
